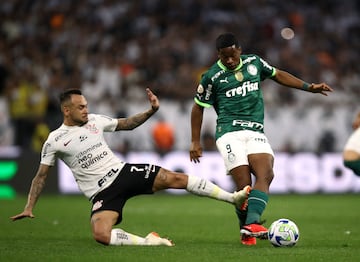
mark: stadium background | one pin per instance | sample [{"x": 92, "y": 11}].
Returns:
[{"x": 112, "y": 50}]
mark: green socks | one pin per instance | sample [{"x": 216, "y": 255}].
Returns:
[
  {"x": 354, "y": 166},
  {"x": 257, "y": 204},
  {"x": 241, "y": 214}
]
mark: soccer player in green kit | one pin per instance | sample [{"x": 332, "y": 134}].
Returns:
[{"x": 233, "y": 87}]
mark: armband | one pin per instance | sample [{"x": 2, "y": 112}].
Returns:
[{"x": 306, "y": 86}]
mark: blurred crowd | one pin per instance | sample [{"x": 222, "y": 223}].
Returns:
[{"x": 113, "y": 50}]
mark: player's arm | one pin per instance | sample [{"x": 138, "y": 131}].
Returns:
[
  {"x": 196, "y": 122},
  {"x": 134, "y": 121},
  {"x": 37, "y": 186},
  {"x": 287, "y": 79}
]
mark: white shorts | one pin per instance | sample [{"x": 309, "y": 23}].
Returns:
[
  {"x": 353, "y": 143},
  {"x": 235, "y": 147}
]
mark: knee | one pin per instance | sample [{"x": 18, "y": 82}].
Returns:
[
  {"x": 177, "y": 180},
  {"x": 101, "y": 236},
  {"x": 266, "y": 177},
  {"x": 168, "y": 179},
  {"x": 101, "y": 225}
]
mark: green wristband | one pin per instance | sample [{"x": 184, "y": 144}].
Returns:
[{"x": 306, "y": 86}]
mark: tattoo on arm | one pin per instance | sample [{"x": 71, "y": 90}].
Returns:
[
  {"x": 37, "y": 186},
  {"x": 134, "y": 121}
]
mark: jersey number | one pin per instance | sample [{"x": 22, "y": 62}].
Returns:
[{"x": 228, "y": 148}]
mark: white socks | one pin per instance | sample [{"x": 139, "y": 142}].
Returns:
[
  {"x": 203, "y": 187},
  {"x": 119, "y": 238}
]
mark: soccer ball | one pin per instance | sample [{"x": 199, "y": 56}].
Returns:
[{"x": 283, "y": 233}]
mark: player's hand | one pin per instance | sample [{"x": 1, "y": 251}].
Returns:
[
  {"x": 321, "y": 88},
  {"x": 22, "y": 215},
  {"x": 195, "y": 152},
  {"x": 154, "y": 101}
]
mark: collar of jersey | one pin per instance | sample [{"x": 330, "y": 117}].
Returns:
[{"x": 226, "y": 69}]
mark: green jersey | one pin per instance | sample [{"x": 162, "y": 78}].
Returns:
[{"x": 235, "y": 94}]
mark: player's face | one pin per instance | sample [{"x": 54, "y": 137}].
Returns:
[
  {"x": 230, "y": 57},
  {"x": 77, "y": 112}
]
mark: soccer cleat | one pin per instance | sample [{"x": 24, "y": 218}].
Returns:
[
  {"x": 241, "y": 198},
  {"x": 153, "y": 239},
  {"x": 255, "y": 230},
  {"x": 248, "y": 240}
]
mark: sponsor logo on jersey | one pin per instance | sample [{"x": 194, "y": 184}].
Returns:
[
  {"x": 217, "y": 75},
  {"x": 61, "y": 135},
  {"x": 208, "y": 92},
  {"x": 45, "y": 149},
  {"x": 250, "y": 124},
  {"x": 107, "y": 176},
  {"x": 200, "y": 89},
  {"x": 265, "y": 64},
  {"x": 82, "y": 138},
  {"x": 243, "y": 89},
  {"x": 249, "y": 59},
  {"x": 87, "y": 151},
  {"x": 90, "y": 159}
]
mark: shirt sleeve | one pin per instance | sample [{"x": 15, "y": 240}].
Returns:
[
  {"x": 48, "y": 152},
  {"x": 109, "y": 124},
  {"x": 267, "y": 70},
  {"x": 204, "y": 93}
]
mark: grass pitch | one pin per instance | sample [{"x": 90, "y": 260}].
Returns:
[{"x": 202, "y": 229}]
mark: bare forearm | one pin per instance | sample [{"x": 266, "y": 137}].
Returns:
[
  {"x": 36, "y": 188},
  {"x": 135, "y": 120},
  {"x": 196, "y": 122},
  {"x": 288, "y": 79}
]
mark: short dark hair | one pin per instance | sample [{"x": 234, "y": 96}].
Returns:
[
  {"x": 66, "y": 95},
  {"x": 226, "y": 40}
]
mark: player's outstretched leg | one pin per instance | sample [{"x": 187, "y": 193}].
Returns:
[
  {"x": 203, "y": 187},
  {"x": 121, "y": 238}
]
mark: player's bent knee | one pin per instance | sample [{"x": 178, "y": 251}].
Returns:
[
  {"x": 101, "y": 236},
  {"x": 102, "y": 223},
  {"x": 180, "y": 180}
]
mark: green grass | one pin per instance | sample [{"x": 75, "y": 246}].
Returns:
[{"x": 202, "y": 229}]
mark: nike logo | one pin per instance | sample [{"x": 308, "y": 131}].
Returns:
[{"x": 66, "y": 143}]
